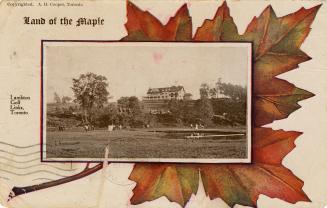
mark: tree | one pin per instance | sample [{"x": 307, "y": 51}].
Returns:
[
  {"x": 203, "y": 106},
  {"x": 130, "y": 104},
  {"x": 131, "y": 111},
  {"x": 204, "y": 110},
  {"x": 187, "y": 96},
  {"x": 66, "y": 99},
  {"x": 213, "y": 93},
  {"x": 204, "y": 90},
  {"x": 183, "y": 112},
  {"x": 107, "y": 116},
  {"x": 176, "y": 108},
  {"x": 235, "y": 92},
  {"x": 134, "y": 105},
  {"x": 56, "y": 98},
  {"x": 90, "y": 91}
]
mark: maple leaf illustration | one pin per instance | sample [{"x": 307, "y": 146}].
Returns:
[
  {"x": 242, "y": 184},
  {"x": 177, "y": 182},
  {"x": 234, "y": 183},
  {"x": 142, "y": 26},
  {"x": 277, "y": 44},
  {"x": 276, "y": 47}
]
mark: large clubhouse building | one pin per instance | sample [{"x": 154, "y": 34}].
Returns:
[
  {"x": 156, "y": 99},
  {"x": 167, "y": 93}
]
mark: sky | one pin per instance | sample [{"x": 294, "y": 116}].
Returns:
[{"x": 131, "y": 69}]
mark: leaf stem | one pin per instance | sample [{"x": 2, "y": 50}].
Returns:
[{"x": 16, "y": 191}]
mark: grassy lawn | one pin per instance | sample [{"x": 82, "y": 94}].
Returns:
[{"x": 144, "y": 143}]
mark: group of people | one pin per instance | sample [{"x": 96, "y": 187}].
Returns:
[
  {"x": 197, "y": 126},
  {"x": 88, "y": 127},
  {"x": 114, "y": 127},
  {"x": 61, "y": 128}
]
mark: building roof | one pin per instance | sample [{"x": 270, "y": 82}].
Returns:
[{"x": 165, "y": 89}]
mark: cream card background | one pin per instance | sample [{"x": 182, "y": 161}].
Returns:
[{"x": 20, "y": 74}]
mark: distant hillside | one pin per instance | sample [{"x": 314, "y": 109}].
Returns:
[
  {"x": 63, "y": 114},
  {"x": 54, "y": 107}
]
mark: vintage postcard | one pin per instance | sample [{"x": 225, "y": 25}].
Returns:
[
  {"x": 169, "y": 102},
  {"x": 165, "y": 104}
]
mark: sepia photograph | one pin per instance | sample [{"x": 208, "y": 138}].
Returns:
[{"x": 146, "y": 101}]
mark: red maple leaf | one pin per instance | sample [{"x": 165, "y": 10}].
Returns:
[
  {"x": 242, "y": 184},
  {"x": 234, "y": 183},
  {"x": 143, "y": 26},
  {"x": 276, "y": 48}
]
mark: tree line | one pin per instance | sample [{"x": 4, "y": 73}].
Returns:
[{"x": 220, "y": 104}]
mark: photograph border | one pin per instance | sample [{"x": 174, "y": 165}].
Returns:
[{"x": 250, "y": 106}]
